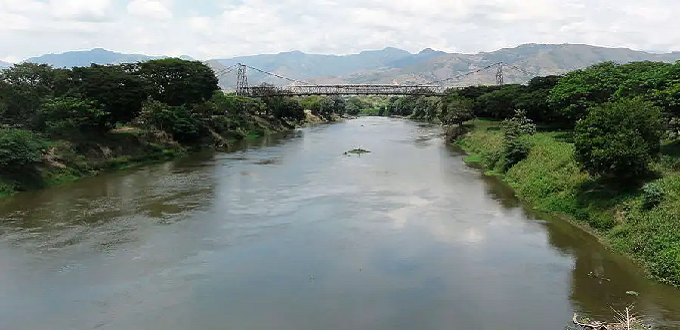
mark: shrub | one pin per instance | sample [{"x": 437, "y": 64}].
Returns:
[
  {"x": 19, "y": 148},
  {"x": 178, "y": 121},
  {"x": 518, "y": 125},
  {"x": 619, "y": 139},
  {"x": 515, "y": 149},
  {"x": 514, "y": 152},
  {"x": 62, "y": 116},
  {"x": 652, "y": 195}
]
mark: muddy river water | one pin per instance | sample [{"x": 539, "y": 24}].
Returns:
[{"x": 290, "y": 234}]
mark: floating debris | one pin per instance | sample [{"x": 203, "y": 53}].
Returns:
[
  {"x": 357, "y": 151},
  {"x": 625, "y": 320},
  {"x": 268, "y": 162},
  {"x": 632, "y": 293}
]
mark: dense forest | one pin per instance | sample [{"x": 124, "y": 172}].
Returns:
[
  {"x": 60, "y": 124},
  {"x": 600, "y": 146}
]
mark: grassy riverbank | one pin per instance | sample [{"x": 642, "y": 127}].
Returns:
[{"x": 550, "y": 180}]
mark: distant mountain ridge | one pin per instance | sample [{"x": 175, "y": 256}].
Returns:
[
  {"x": 87, "y": 57},
  {"x": 392, "y": 64}
]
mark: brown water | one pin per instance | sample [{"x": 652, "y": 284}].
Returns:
[{"x": 291, "y": 234}]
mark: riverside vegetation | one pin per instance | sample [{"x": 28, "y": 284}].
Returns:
[
  {"x": 599, "y": 146},
  {"x": 61, "y": 124}
]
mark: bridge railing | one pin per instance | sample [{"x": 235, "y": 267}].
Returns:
[{"x": 344, "y": 89}]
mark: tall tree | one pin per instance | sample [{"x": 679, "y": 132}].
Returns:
[
  {"x": 178, "y": 82},
  {"x": 23, "y": 87}
]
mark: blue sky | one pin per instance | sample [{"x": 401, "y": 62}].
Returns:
[{"x": 217, "y": 28}]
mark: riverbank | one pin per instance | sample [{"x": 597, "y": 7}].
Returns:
[
  {"x": 551, "y": 181},
  {"x": 68, "y": 160}
]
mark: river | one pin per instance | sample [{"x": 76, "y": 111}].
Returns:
[{"x": 291, "y": 234}]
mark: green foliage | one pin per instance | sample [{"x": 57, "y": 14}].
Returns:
[
  {"x": 456, "y": 112},
  {"x": 284, "y": 107},
  {"x": 515, "y": 151},
  {"x": 580, "y": 90},
  {"x": 19, "y": 148},
  {"x": 619, "y": 139},
  {"x": 119, "y": 89},
  {"x": 177, "y": 82},
  {"x": 518, "y": 125},
  {"x": 23, "y": 88},
  {"x": 179, "y": 121},
  {"x": 498, "y": 104},
  {"x": 652, "y": 195},
  {"x": 66, "y": 116},
  {"x": 534, "y": 99},
  {"x": 325, "y": 107},
  {"x": 356, "y": 105}
]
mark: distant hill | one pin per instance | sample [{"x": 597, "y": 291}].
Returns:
[
  {"x": 300, "y": 65},
  {"x": 4, "y": 65},
  {"x": 87, "y": 57},
  {"x": 527, "y": 61}
]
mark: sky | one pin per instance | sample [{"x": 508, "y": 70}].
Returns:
[{"x": 206, "y": 29}]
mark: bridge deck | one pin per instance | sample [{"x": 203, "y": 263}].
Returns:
[{"x": 345, "y": 89}]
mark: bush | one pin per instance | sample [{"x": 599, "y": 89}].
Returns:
[
  {"x": 514, "y": 152},
  {"x": 178, "y": 121},
  {"x": 618, "y": 140},
  {"x": 515, "y": 149},
  {"x": 518, "y": 125},
  {"x": 652, "y": 195},
  {"x": 19, "y": 148},
  {"x": 63, "y": 116}
]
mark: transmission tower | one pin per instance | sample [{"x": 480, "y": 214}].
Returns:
[
  {"x": 241, "y": 80},
  {"x": 499, "y": 74}
]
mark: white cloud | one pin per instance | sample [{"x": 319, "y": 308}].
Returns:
[
  {"x": 90, "y": 10},
  {"x": 214, "y": 28},
  {"x": 149, "y": 9}
]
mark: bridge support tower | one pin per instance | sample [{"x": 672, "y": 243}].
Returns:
[{"x": 241, "y": 80}]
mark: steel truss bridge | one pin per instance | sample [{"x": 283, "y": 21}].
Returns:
[
  {"x": 356, "y": 89},
  {"x": 302, "y": 88}
]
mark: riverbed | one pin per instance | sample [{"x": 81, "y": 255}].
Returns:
[{"x": 289, "y": 233}]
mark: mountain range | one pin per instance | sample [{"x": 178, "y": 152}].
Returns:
[{"x": 391, "y": 64}]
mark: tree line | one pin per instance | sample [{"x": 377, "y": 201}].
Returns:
[{"x": 618, "y": 113}]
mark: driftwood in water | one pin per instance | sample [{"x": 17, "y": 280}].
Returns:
[
  {"x": 595, "y": 325},
  {"x": 626, "y": 321}
]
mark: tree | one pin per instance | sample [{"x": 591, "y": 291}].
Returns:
[
  {"x": 117, "y": 88},
  {"x": 287, "y": 108},
  {"x": 355, "y": 105},
  {"x": 515, "y": 148},
  {"x": 64, "y": 116},
  {"x": 619, "y": 139},
  {"x": 457, "y": 112},
  {"x": 498, "y": 104},
  {"x": 534, "y": 99},
  {"x": 177, "y": 82},
  {"x": 19, "y": 148},
  {"x": 580, "y": 90},
  {"x": 23, "y": 87},
  {"x": 179, "y": 121}
]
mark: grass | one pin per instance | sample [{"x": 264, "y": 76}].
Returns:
[{"x": 550, "y": 180}]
